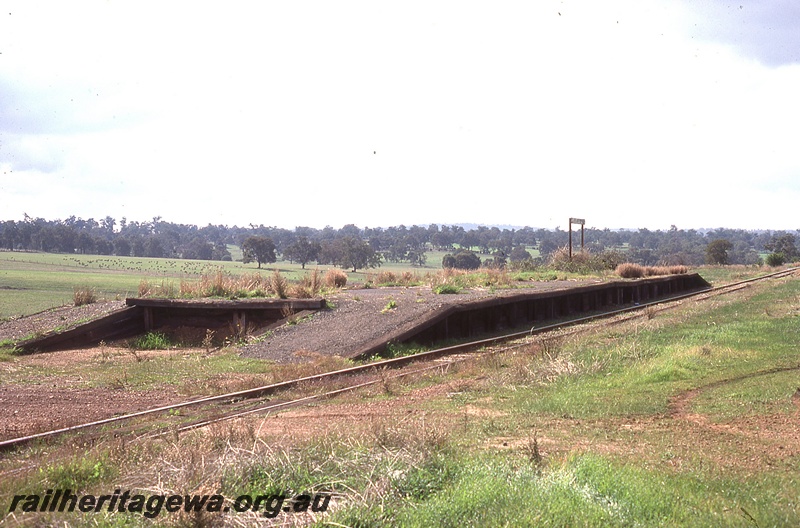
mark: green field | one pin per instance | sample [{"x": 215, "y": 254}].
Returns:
[{"x": 32, "y": 282}]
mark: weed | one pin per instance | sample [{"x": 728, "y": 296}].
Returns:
[
  {"x": 151, "y": 341},
  {"x": 395, "y": 350},
  {"x": 551, "y": 347},
  {"x": 433, "y": 475},
  {"x": 83, "y": 295},
  {"x": 208, "y": 340},
  {"x": 391, "y": 305},
  {"x": 120, "y": 382},
  {"x": 287, "y": 312},
  {"x": 7, "y": 353},
  {"x": 386, "y": 382},
  {"x": 313, "y": 282},
  {"x": 532, "y": 451},
  {"x": 78, "y": 473},
  {"x": 144, "y": 288},
  {"x": 445, "y": 289}
]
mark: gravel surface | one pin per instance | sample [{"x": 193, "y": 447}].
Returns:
[
  {"x": 62, "y": 317},
  {"x": 360, "y": 317}
]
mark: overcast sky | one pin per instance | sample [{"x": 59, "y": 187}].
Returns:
[{"x": 641, "y": 113}]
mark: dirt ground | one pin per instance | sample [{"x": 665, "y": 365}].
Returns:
[
  {"x": 38, "y": 406},
  {"x": 673, "y": 440}
]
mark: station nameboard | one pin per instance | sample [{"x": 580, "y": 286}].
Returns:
[{"x": 579, "y": 221}]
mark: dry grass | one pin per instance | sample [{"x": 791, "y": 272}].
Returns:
[
  {"x": 629, "y": 270},
  {"x": 385, "y": 277},
  {"x": 390, "y": 278},
  {"x": 448, "y": 276},
  {"x": 495, "y": 277},
  {"x": 83, "y": 295},
  {"x": 279, "y": 285},
  {"x": 335, "y": 278},
  {"x": 222, "y": 284},
  {"x": 666, "y": 270}
]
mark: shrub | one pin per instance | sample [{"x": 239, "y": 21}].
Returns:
[
  {"x": 629, "y": 270},
  {"x": 775, "y": 259},
  {"x": 83, "y": 295},
  {"x": 335, "y": 278},
  {"x": 584, "y": 261},
  {"x": 465, "y": 260}
]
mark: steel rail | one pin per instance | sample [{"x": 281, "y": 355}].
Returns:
[{"x": 387, "y": 363}]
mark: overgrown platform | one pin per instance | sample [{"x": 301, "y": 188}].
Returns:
[
  {"x": 451, "y": 320},
  {"x": 492, "y": 315},
  {"x": 142, "y": 315}
]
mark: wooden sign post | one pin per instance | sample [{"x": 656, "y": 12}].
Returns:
[{"x": 580, "y": 221}]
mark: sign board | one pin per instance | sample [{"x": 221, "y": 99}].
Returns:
[{"x": 580, "y": 221}]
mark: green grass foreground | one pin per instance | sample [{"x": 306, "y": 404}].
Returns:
[{"x": 601, "y": 408}]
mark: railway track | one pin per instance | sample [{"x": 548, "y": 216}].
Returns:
[{"x": 214, "y": 409}]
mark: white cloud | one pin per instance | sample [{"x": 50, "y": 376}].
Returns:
[{"x": 380, "y": 114}]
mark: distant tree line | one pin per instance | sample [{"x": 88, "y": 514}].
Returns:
[{"x": 358, "y": 248}]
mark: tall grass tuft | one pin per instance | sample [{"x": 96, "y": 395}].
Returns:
[
  {"x": 144, "y": 288},
  {"x": 279, "y": 285},
  {"x": 386, "y": 277},
  {"x": 313, "y": 282},
  {"x": 629, "y": 270},
  {"x": 83, "y": 295},
  {"x": 335, "y": 278},
  {"x": 216, "y": 285}
]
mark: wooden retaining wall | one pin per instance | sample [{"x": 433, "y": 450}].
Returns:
[
  {"x": 144, "y": 315},
  {"x": 477, "y": 318}
]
